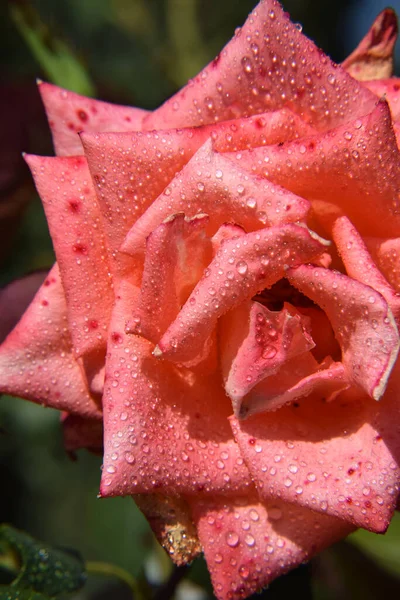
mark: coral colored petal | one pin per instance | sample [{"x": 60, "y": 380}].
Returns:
[
  {"x": 390, "y": 90},
  {"x": 74, "y": 219},
  {"x": 362, "y": 321},
  {"x": 297, "y": 378},
  {"x": 386, "y": 253},
  {"x": 70, "y": 113},
  {"x": 161, "y": 433},
  {"x": 213, "y": 184},
  {"x": 177, "y": 252},
  {"x": 36, "y": 360},
  {"x": 340, "y": 458},
  {"x": 255, "y": 343},
  {"x": 266, "y": 128},
  {"x": 262, "y": 69},
  {"x": 79, "y": 433},
  {"x": 15, "y": 299},
  {"x": 348, "y": 166},
  {"x": 131, "y": 170},
  {"x": 242, "y": 267},
  {"x": 359, "y": 264},
  {"x": 146, "y": 162},
  {"x": 248, "y": 543},
  {"x": 373, "y": 57},
  {"x": 171, "y": 521},
  {"x": 322, "y": 333}
]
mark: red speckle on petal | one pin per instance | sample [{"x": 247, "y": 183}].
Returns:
[
  {"x": 93, "y": 324},
  {"x": 82, "y": 115},
  {"x": 252, "y": 441},
  {"x": 350, "y": 471},
  {"x": 128, "y": 119},
  {"x": 216, "y": 61},
  {"x": 71, "y": 126},
  {"x": 116, "y": 337},
  {"x": 80, "y": 248},
  {"x": 74, "y": 205},
  {"x": 45, "y": 303}
]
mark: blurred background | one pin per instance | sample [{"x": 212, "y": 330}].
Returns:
[{"x": 134, "y": 52}]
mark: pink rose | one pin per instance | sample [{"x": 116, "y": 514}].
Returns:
[{"x": 225, "y": 299}]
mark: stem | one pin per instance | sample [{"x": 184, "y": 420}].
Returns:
[{"x": 94, "y": 567}]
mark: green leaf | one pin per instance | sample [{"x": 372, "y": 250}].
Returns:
[
  {"x": 9, "y": 593},
  {"x": 54, "y": 56},
  {"x": 43, "y": 569}
]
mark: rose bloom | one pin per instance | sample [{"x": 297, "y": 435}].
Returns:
[{"x": 225, "y": 299}]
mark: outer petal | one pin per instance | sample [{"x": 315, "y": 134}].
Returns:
[
  {"x": 214, "y": 185},
  {"x": 177, "y": 252},
  {"x": 390, "y": 90},
  {"x": 359, "y": 264},
  {"x": 349, "y": 166},
  {"x": 161, "y": 432},
  {"x": 340, "y": 458},
  {"x": 248, "y": 543},
  {"x": 70, "y": 113},
  {"x": 36, "y": 360},
  {"x": 74, "y": 219},
  {"x": 362, "y": 321},
  {"x": 242, "y": 267},
  {"x": 373, "y": 57},
  {"x": 81, "y": 433},
  {"x": 255, "y": 343},
  {"x": 264, "y": 68}
]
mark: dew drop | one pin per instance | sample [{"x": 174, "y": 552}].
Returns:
[
  {"x": 232, "y": 539},
  {"x": 241, "y": 267}
]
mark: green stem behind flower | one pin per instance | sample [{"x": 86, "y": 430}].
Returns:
[{"x": 109, "y": 570}]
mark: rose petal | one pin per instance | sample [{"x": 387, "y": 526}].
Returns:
[
  {"x": 36, "y": 359},
  {"x": 297, "y": 378},
  {"x": 255, "y": 343},
  {"x": 74, "y": 219},
  {"x": 15, "y": 299},
  {"x": 359, "y": 264},
  {"x": 362, "y": 321},
  {"x": 263, "y": 68},
  {"x": 131, "y": 170},
  {"x": 241, "y": 268},
  {"x": 348, "y": 166},
  {"x": 340, "y": 458},
  {"x": 389, "y": 89},
  {"x": 386, "y": 253},
  {"x": 160, "y": 431},
  {"x": 79, "y": 432},
  {"x": 171, "y": 521},
  {"x": 248, "y": 543},
  {"x": 322, "y": 333},
  {"x": 266, "y": 128},
  {"x": 177, "y": 252},
  {"x": 213, "y": 184},
  {"x": 70, "y": 113},
  {"x": 373, "y": 57}
]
